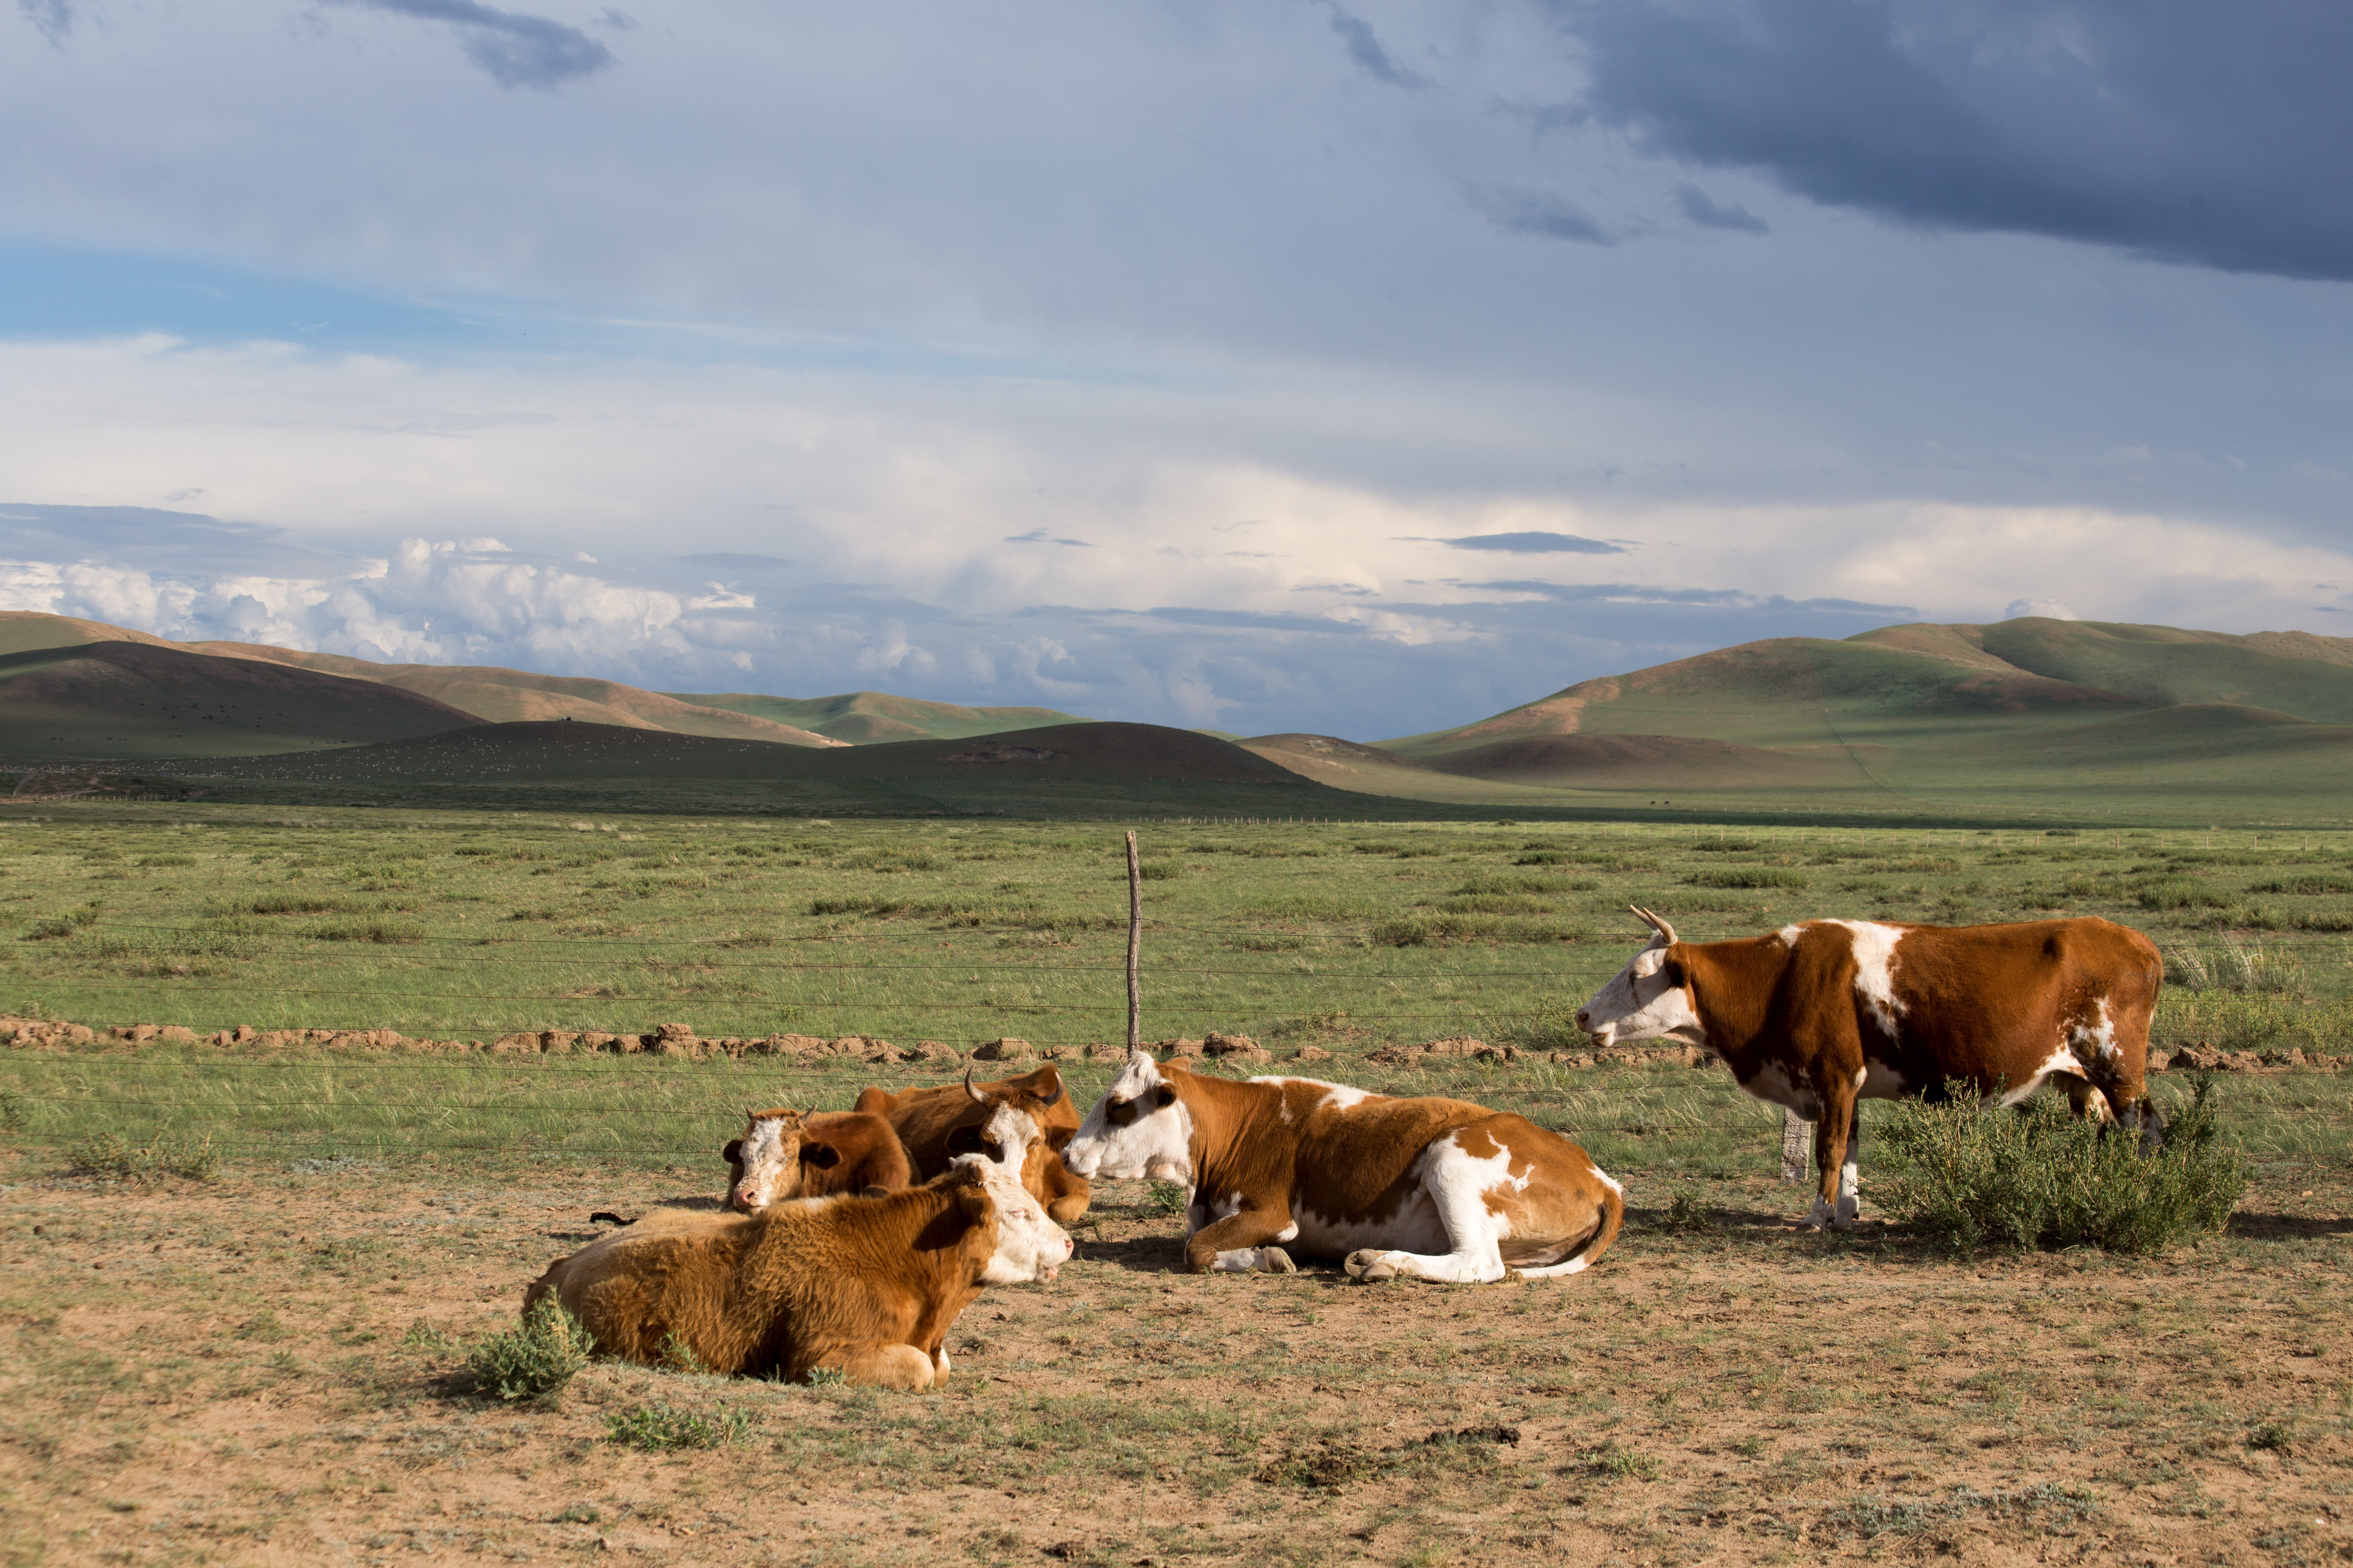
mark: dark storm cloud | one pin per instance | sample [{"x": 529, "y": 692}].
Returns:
[
  {"x": 2178, "y": 130},
  {"x": 1708, "y": 213},
  {"x": 1695, "y": 598},
  {"x": 517, "y": 51},
  {"x": 54, "y": 18},
  {"x": 1537, "y": 543},
  {"x": 1540, "y": 212},
  {"x": 1364, "y": 48}
]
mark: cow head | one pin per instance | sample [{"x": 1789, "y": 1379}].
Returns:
[
  {"x": 1008, "y": 1135},
  {"x": 766, "y": 1165},
  {"x": 1029, "y": 1246},
  {"x": 1649, "y": 999},
  {"x": 1141, "y": 1127}
]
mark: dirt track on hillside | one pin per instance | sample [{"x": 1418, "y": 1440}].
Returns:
[{"x": 254, "y": 1370}]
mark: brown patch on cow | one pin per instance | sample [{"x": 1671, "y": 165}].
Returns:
[{"x": 926, "y": 1119}]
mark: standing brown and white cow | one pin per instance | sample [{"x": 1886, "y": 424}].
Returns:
[
  {"x": 1423, "y": 1188},
  {"x": 1820, "y": 1016},
  {"x": 938, "y": 1124}
]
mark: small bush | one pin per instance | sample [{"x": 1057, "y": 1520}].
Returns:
[
  {"x": 532, "y": 1362},
  {"x": 1615, "y": 1461},
  {"x": 661, "y": 1426},
  {"x": 1686, "y": 1212},
  {"x": 1970, "y": 1173},
  {"x": 1747, "y": 877},
  {"x": 108, "y": 1154}
]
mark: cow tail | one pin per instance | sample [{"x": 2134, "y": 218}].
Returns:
[{"x": 1613, "y": 1218}]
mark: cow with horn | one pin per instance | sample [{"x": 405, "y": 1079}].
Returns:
[
  {"x": 937, "y": 1123},
  {"x": 1820, "y": 1016}
]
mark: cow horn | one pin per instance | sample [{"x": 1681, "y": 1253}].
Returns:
[
  {"x": 978, "y": 1097},
  {"x": 1666, "y": 931}
]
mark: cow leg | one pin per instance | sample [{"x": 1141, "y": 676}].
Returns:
[
  {"x": 1457, "y": 1185},
  {"x": 1836, "y": 1144},
  {"x": 1241, "y": 1242},
  {"x": 879, "y": 1364}
]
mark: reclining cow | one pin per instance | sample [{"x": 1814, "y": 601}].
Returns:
[
  {"x": 1818, "y": 1016},
  {"x": 1423, "y": 1188},
  {"x": 802, "y": 1154},
  {"x": 938, "y": 1124},
  {"x": 867, "y": 1287}
]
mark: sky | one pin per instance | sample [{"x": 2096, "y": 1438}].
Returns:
[{"x": 1265, "y": 366}]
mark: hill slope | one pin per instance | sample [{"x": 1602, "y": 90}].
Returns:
[
  {"x": 1945, "y": 715},
  {"x": 864, "y": 718},
  {"x": 136, "y": 700},
  {"x": 517, "y": 696}
]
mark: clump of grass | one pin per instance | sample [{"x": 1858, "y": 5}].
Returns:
[
  {"x": 1970, "y": 1175},
  {"x": 12, "y": 1110},
  {"x": 166, "y": 1154},
  {"x": 387, "y": 932},
  {"x": 1687, "y": 1213},
  {"x": 2179, "y": 893},
  {"x": 2236, "y": 966},
  {"x": 660, "y": 1426},
  {"x": 1436, "y": 931},
  {"x": 1613, "y": 1460},
  {"x": 534, "y": 1361},
  {"x": 58, "y": 927},
  {"x": 1747, "y": 877},
  {"x": 2047, "y": 1500}
]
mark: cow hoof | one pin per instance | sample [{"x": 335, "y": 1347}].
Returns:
[
  {"x": 1368, "y": 1267},
  {"x": 1274, "y": 1261}
]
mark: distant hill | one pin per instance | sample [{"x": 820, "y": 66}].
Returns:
[
  {"x": 481, "y": 693},
  {"x": 1939, "y": 713},
  {"x": 126, "y": 698},
  {"x": 517, "y": 696},
  {"x": 866, "y": 718}
]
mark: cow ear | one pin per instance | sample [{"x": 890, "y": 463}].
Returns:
[
  {"x": 1673, "y": 972},
  {"x": 964, "y": 1140},
  {"x": 1164, "y": 1095},
  {"x": 733, "y": 1153},
  {"x": 824, "y": 1156}
]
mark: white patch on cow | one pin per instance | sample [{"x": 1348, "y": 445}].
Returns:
[
  {"x": 1458, "y": 1184},
  {"x": 1881, "y": 1081},
  {"x": 2059, "y": 1060},
  {"x": 1850, "y": 1189},
  {"x": 1862, "y": 1077},
  {"x": 1238, "y": 1260},
  {"x": 1789, "y": 934},
  {"x": 1415, "y": 1227},
  {"x": 2100, "y": 1034},
  {"x": 1637, "y": 1004},
  {"x": 1604, "y": 1178},
  {"x": 1336, "y": 1095},
  {"x": 1287, "y": 1233},
  {"x": 940, "y": 1367},
  {"x": 1156, "y": 1145},
  {"x": 1030, "y": 1247},
  {"x": 1874, "y": 970},
  {"x": 766, "y": 1161},
  {"x": 1773, "y": 1085}
]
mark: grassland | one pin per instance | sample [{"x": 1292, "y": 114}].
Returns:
[{"x": 190, "y": 1382}]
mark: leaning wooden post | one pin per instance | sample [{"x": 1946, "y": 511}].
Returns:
[
  {"x": 1796, "y": 1145},
  {"x": 1134, "y": 943}
]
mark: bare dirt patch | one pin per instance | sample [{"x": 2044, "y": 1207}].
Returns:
[{"x": 259, "y": 1369}]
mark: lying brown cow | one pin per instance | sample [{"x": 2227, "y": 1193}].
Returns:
[
  {"x": 937, "y": 1124},
  {"x": 1424, "y": 1188},
  {"x": 1820, "y": 1016},
  {"x": 802, "y": 1154},
  {"x": 864, "y": 1285}
]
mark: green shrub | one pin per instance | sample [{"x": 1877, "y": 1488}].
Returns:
[
  {"x": 2179, "y": 893},
  {"x": 534, "y": 1361},
  {"x": 660, "y": 1426},
  {"x": 1745, "y": 877},
  {"x": 108, "y": 1155},
  {"x": 1970, "y": 1173}
]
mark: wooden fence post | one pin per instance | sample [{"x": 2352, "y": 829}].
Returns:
[
  {"x": 1796, "y": 1145},
  {"x": 1135, "y": 944}
]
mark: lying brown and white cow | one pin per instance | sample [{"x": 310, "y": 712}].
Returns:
[
  {"x": 865, "y": 1285},
  {"x": 1820, "y": 1016},
  {"x": 803, "y": 1154},
  {"x": 938, "y": 1124},
  {"x": 1423, "y": 1188}
]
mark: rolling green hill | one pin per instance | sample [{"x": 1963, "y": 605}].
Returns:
[
  {"x": 2146, "y": 719},
  {"x": 123, "y": 700},
  {"x": 865, "y": 717}
]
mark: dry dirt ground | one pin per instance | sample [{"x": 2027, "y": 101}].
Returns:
[{"x": 257, "y": 1369}]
